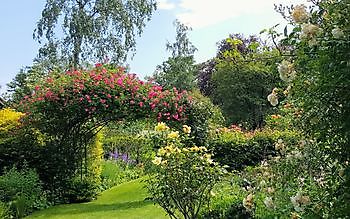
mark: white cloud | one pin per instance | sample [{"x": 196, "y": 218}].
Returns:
[
  {"x": 203, "y": 13},
  {"x": 165, "y": 5}
]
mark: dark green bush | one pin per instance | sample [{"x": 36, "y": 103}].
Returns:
[
  {"x": 82, "y": 190},
  {"x": 238, "y": 150},
  {"x": 19, "y": 148},
  {"x": 203, "y": 114},
  {"x": 22, "y": 191}
]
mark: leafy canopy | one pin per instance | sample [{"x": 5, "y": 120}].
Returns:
[{"x": 91, "y": 30}]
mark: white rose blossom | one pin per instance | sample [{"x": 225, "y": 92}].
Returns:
[
  {"x": 309, "y": 31},
  {"x": 299, "y": 201},
  {"x": 269, "y": 203},
  {"x": 286, "y": 70},
  {"x": 273, "y": 98},
  {"x": 337, "y": 33}
]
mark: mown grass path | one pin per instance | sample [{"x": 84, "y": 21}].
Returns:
[{"x": 126, "y": 201}]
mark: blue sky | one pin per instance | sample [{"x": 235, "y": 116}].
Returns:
[{"x": 211, "y": 21}]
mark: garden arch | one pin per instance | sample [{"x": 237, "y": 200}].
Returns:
[{"x": 69, "y": 109}]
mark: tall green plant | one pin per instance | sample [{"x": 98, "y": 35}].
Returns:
[{"x": 179, "y": 70}]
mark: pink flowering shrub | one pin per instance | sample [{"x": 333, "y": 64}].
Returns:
[{"x": 104, "y": 93}]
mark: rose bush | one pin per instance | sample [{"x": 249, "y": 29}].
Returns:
[{"x": 184, "y": 174}]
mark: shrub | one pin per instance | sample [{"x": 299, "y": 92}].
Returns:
[
  {"x": 22, "y": 190},
  {"x": 203, "y": 115},
  {"x": 238, "y": 149},
  {"x": 19, "y": 146},
  {"x": 9, "y": 121},
  {"x": 81, "y": 190},
  {"x": 95, "y": 158},
  {"x": 184, "y": 175}
]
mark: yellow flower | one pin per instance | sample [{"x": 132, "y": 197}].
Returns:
[
  {"x": 185, "y": 150},
  {"x": 157, "y": 160},
  {"x": 167, "y": 150},
  {"x": 294, "y": 215},
  {"x": 299, "y": 14},
  {"x": 210, "y": 161},
  {"x": 202, "y": 148},
  {"x": 186, "y": 129},
  {"x": 194, "y": 148},
  {"x": 161, "y": 152},
  {"x": 161, "y": 126},
  {"x": 173, "y": 135},
  {"x": 177, "y": 150}
]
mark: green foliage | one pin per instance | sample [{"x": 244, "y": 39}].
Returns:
[
  {"x": 183, "y": 175},
  {"x": 238, "y": 149},
  {"x": 4, "y": 211},
  {"x": 176, "y": 72},
  {"x": 242, "y": 81},
  {"x": 85, "y": 187},
  {"x": 19, "y": 146},
  {"x": 92, "y": 30},
  {"x": 115, "y": 173},
  {"x": 128, "y": 138},
  {"x": 25, "y": 80},
  {"x": 226, "y": 202},
  {"x": 22, "y": 191},
  {"x": 95, "y": 159},
  {"x": 81, "y": 190},
  {"x": 203, "y": 116},
  {"x": 182, "y": 45},
  {"x": 293, "y": 184},
  {"x": 322, "y": 81}
]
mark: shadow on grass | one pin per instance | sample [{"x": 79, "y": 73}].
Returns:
[{"x": 91, "y": 207}]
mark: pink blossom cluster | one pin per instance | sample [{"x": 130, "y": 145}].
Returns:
[{"x": 102, "y": 91}]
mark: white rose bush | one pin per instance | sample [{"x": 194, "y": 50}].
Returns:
[{"x": 316, "y": 71}]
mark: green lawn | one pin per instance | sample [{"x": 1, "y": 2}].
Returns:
[{"x": 123, "y": 201}]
